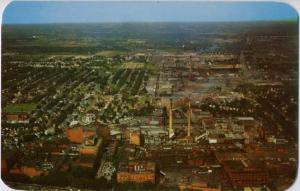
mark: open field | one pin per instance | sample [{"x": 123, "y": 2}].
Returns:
[
  {"x": 110, "y": 53},
  {"x": 16, "y": 108},
  {"x": 133, "y": 65}
]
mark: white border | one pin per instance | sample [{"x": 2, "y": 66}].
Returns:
[{"x": 293, "y": 3}]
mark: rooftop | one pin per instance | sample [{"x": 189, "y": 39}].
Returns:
[{"x": 137, "y": 167}]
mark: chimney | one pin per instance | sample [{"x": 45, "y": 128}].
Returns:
[
  {"x": 171, "y": 131},
  {"x": 189, "y": 120}
]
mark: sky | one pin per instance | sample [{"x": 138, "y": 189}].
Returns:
[{"x": 19, "y": 12}]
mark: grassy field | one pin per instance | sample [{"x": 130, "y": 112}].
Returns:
[
  {"x": 133, "y": 65},
  {"x": 109, "y": 53},
  {"x": 15, "y": 108}
]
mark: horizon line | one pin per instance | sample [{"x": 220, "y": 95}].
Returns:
[{"x": 153, "y": 22}]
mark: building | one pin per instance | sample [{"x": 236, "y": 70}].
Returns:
[
  {"x": 197, "y": 186},
  {"x": 91, "y": 147},
  {"x": 88, "y": 118},
  {"x": 208, "y": 123},
  {"x": 103, "y": 132},
  {"x": 242, "y": 174},
  {"x": 85, "y": 161},
  {"x": 17, "y": 113},
  {"x": 138, "y": 172},
  {"x": 135, "y": 139},
  {"x": 28, "y": 170},
  {"x": 78, "y": 134},
  {"x": 228, "y": 155},
  {"x": 16, "y": 118},
  {"x": 106, "y": 170},
  {"x": 8, "y": 160},
  {"x": 75, "y": 135}
]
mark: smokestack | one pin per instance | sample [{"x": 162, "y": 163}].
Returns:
[
  {"x": 189, "y": 120},
  {"x": 171, "y": 131}
]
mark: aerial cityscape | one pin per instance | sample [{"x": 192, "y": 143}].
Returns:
[{"x": 149, "y": 104}]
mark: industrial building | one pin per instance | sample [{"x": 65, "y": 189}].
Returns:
[{"x": 138, "y": 172}]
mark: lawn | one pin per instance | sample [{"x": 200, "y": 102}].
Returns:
[{"x": 15, "y": 108}]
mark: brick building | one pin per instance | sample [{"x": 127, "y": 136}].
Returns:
[
  {"x": 19, "y": 117},
  {"x": 243, "y": 175},
  {"x": 79, "y": 134},
  {"x": 138, "y": 172}
]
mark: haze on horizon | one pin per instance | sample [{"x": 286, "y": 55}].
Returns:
[{"x": 96, "y": 12}]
